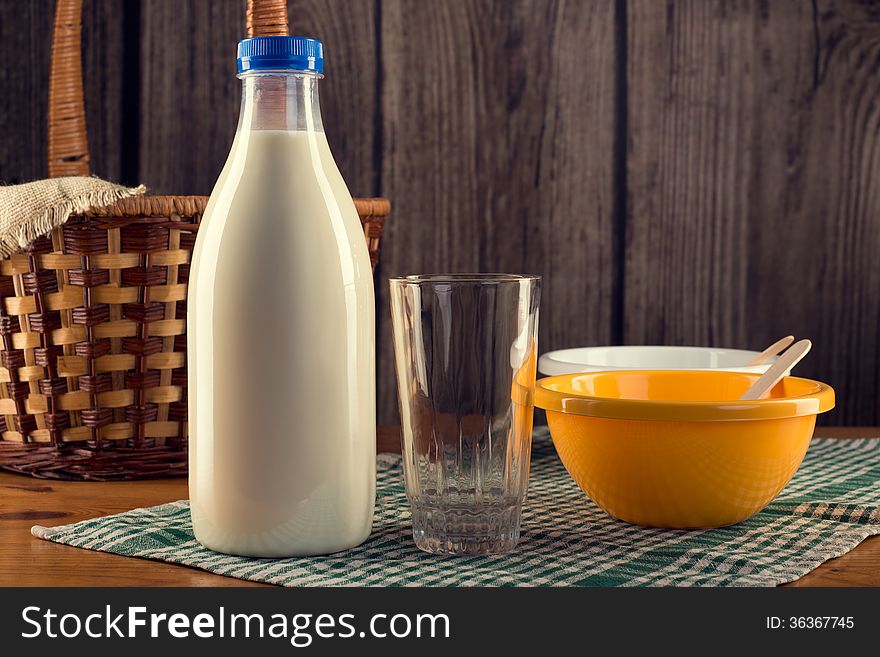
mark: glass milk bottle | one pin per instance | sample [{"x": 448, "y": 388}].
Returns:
[{"x": 280, "y": 329}]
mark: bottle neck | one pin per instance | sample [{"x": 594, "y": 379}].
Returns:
[{"x": 280, "y": 101}]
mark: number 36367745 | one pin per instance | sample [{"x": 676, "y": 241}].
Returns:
[{"x": 810, "y": 622}]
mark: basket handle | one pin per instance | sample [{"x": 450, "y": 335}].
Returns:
[
  {"x": 266, "y": 18},
  {"x": 68, "y": 137},
  {"x": 68, "y": 141}
]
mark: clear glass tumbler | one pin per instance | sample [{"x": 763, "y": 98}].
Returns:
[{"x": 465, "y": 350}]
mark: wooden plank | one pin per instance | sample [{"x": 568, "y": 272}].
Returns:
[
  {"x": 754, "y": 182},
  {"x": 27, "y": 561},
  {"x": 26, "y": 36},
  {"x": 497, "y": 150},
  {"x": 858, "y": 567},
  {"x": 189, "y": 95},
  {"x": 831, "y": 191},
  {"x": 348, "y": 91},
  {"x": 691, "y": 123},
  {"x": 103, "y": 74},
  {"x": 570, "y": 222},
  {"x": 191, "y": 103}
]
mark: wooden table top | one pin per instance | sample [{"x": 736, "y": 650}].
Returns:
[{"x": 28, "y": 561}]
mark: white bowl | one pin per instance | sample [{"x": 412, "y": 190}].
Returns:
[{"x": 598, "y": 359}]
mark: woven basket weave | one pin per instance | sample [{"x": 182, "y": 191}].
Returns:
[{"x": 92, "y": 317}]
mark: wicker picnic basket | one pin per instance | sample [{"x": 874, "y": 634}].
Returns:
[{"x": 92, "y": 317}]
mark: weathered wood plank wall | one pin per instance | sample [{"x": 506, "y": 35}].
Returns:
[
  {"x": 495, "y": 159},
  {"x": 25, "y": 39},
  {"x": 753, "y": 178},
  {"x": 700, "y": 172}
]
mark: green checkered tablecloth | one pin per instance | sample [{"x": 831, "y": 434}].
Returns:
[{"x": 831, "y": 505}]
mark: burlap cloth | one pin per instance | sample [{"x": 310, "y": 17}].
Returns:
[{"x": 33, "y": 209}]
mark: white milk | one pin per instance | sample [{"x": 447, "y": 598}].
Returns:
[{"x": 281, "y": 355}]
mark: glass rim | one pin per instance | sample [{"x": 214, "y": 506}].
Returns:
[{"x": 462, "y": 278}]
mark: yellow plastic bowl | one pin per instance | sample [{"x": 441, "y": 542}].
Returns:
[{"x": 677, "y": 448}]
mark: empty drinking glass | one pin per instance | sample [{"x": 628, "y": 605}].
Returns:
[{"x": 465, "y": 348}]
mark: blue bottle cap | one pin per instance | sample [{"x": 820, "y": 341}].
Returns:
[{"x": 274, "y": 53}]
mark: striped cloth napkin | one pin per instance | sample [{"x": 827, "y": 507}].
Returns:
[{"x": 831, "y": 505}]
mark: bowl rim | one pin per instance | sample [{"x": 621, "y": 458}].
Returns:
[
  {"x": 561, "y": 358},
  {"x": 819, "y": 400}
]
